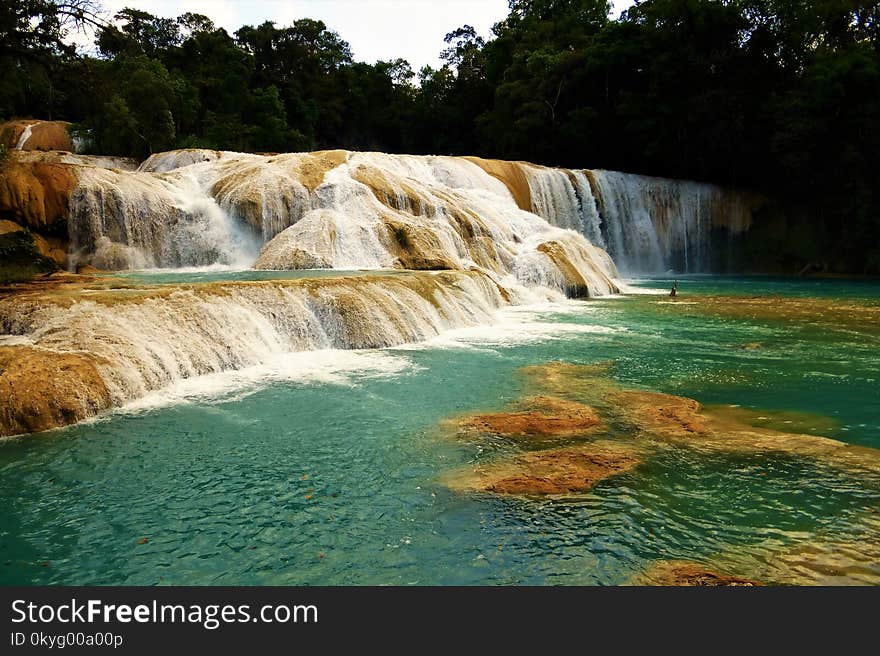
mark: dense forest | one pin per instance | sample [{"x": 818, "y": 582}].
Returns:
[{"x": 782, "y": 96}]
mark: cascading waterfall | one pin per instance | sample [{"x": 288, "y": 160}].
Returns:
[
  {"x": 554, "y": 198},
  {"x": 656, "y": 224},
  {"x": 476, "y": 235},
  {"x": 25, "y": 136},
  {"x": 647, "y": 225},
  {"x": 130, "y": 220},
  {"x": 331, "y": 209},
  {"x": 591, "y": 221},
  {"x": 153, "y": 338}
]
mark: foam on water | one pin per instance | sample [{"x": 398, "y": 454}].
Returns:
[
  {"x": 324, "y": 366},
  {"x": 518, "y": 325}
]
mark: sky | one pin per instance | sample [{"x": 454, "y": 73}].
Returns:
[{"x": 376, "y": 29}]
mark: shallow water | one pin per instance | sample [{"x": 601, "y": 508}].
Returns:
[{"x": 328, "y": 469}]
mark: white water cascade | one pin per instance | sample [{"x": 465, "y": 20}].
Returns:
[
  {"x": 656, "y": 224},
  {"x": 337, "y": 210},
  {"x": 131, "y": 220},
  {"x": 647, "y": 225},
  {"x": 145, "y": 341},
  {"x": 25, "y": 136}
]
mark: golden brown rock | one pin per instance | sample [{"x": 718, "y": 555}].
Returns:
[
  {"x": 683, "y": 573},
  {"x": 43, "y": 389},
  {"x": 537, "y": 418},
  {"x": 88, "y": 270},
  {"x": 512, "y": 175},
  {"x": 45, "y": 135},
  {"x": 416, "y": 247},
  {"x": 54, "y": 248},
  {"x": 556, "y": 471},
  {"x": 37, "y": 194},
  {"x": 655, "y": 412},
  {"x": 7, "y": 227}
]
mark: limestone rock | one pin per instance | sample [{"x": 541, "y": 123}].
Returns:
[
  {"x": 44, "y": 135},
  {"x": 43, "y": 390},
  {"x": 37, "y": 194}
]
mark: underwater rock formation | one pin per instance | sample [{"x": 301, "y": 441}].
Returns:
[
  {"x": 549, "y": 472},
  {"x": 683, "y": 573},
  {"x": 536, "y": 418},
  {"x": 647, "y": 417}
]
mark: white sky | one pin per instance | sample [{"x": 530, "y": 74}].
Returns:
[{"x": 376, "y": 29}]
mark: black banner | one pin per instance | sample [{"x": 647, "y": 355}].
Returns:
[{"x": 142, "y": 620}]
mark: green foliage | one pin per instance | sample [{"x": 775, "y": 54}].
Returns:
[
  {"x": 401, "y": 236},
  {"x": 19, "y": 258}
]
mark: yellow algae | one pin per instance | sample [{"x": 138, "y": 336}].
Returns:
[
  {"x": 822, "y": 312},
  {"x": 786, "y": 421}
]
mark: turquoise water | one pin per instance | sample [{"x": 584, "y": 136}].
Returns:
[{"x": 340, "y": 482}]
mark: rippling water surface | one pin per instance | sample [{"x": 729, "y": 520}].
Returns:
[{"x": 333, "y": 476}]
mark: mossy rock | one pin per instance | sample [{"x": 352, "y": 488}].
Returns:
[{"x": 19, "y": 258}]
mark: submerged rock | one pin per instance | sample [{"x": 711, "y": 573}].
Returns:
[
  {"x": 537, "y": 418},
  {"x": 830, "y": 314},
  {"x": 685, "y": 573},
  {"x": 654, "y": 412},
  {"x": 556, "y": 471},
  {"x": 654, "y": 417}
]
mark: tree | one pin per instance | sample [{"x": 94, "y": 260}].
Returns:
[{"x": 33, "y": 48}]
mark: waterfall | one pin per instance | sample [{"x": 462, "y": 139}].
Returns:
[
  {"x": 131, "y": 220},
  {"x": 146, "y": 340},
  {"x": 554, "y": 198},
  {"x": 654, "y": 224},
  {"x": 25, "y": 135},
  {"x": 591, "y": 222},
  {"x": 335, "y": 209}
]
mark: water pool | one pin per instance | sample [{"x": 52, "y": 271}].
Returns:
[{"x": 338, "y": 479}]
